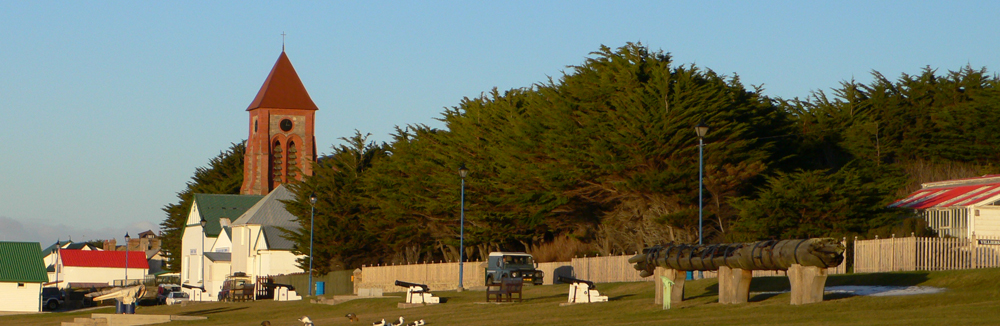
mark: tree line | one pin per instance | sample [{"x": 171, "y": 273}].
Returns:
[{"x": 604, "y": 159}]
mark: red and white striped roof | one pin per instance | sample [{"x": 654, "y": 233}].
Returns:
[
  {"x": 95, "y": 258},
  {"x": 949, "y": 193}
]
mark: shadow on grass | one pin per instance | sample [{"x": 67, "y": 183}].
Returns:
[
  {"x": 212, "y": 311},
  {"x": 619, "y": 297},
  {"x": 885, "y": 279},
  {"x": 776, "y": 285}
]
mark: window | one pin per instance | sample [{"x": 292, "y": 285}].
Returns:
[{"x": 20, "y": 285}]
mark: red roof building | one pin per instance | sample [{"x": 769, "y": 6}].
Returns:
[
  {"x": 92, "y": 267},
  {"x": 95, "y": 258},
  {"x": 960, "y": 207}
]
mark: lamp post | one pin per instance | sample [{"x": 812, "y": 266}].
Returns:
[
  {"x": 701, "y": 129},
  {"x": 462, "y": 172},
  {"x": 55, "y": 265},
  {"x": 127, "y": 238},
  {"x": 312, "y": 225},
  {"x": 203, "y": 223}
]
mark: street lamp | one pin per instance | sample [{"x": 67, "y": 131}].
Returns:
[
  {"x": 462, "y": 172},
  {"x": 312, "y": 225},
  {"x": 203, "y": 223},
  {"x": 127, "y": 238},
  {"x": 701, "y": 129}
]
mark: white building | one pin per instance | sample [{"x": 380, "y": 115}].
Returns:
[
  {"x": 100, "y": 268},
  {"x": 959, "y": 207},
  {"x": 217, "y": 211},
  {"x": 52, "y": 252},
  {"x": 22, "y": 274},
  {"x": 259, "y": 248}
]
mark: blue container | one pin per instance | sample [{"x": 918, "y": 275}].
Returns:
[
  {"x": 121, "y": 308},
  {"x": 320, "y": 288},
  {"x": 690, "y": 275}
]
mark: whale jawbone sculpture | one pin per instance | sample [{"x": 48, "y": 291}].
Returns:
[{"x": 761, "y": 255}]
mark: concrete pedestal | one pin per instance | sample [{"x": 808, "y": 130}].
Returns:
[
  {"x": 676, "y": 292},
  {"x": 808, "y": 283},
  {"x": 734, "y": 285}
]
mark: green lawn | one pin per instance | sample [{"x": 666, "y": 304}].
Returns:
[{"x": 972, "y": 298}]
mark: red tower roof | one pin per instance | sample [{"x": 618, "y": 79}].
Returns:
[
  {"x": 282, "y": 89},
  {"x": 100, "y": 258}
]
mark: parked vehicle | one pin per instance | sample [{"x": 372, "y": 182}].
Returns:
[
  {"x": 237, "y": 287},
  {"x": 176, "y": 298},
  {"x": 512, "y": 265},
  {"x": 52, "y": 298},
  {"x": 163, "y": 290}
]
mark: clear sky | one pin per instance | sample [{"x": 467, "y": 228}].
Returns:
[{"x": 109, "y": 106}]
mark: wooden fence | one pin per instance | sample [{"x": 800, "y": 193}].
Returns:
[
  {"x": 925, "y": 254},
  {"x": 444, "y": 276}
]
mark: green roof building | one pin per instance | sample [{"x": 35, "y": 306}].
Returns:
[{"x": 22, "y": 274}]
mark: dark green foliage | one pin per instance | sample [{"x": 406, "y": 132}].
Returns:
[
  {"x": 912, "y": 226},
  {"x": 606, "y": 155},
  {"x": 223, "y": 175},
  {"x": 818, "y": 203}
]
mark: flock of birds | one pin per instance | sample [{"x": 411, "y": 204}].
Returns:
[{"x": 308, "y": 322}]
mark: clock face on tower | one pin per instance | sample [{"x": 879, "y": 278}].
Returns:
[{"x": 286, "y": 125}]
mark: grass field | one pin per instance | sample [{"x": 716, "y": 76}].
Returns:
[{"x": 972, "y": 298}]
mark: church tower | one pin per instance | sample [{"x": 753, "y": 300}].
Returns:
[{"x": 281, "y": 147}]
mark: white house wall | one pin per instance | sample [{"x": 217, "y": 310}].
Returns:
[
  {"x": 279, "y": 262},
  {"x": 192, "y": 243},
  {"x": 240, "y": 249},
  {"x": 26, "y": 298},
  {"x": 215, "y": 276},
  {"x": 987, "y": 224},
  {"x": 77, "y": 274}
]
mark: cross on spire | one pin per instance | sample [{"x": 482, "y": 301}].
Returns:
[{"x": 283, "y": 41}]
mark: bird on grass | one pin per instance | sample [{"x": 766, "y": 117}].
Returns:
[
  {"x": 416, "y": 323},
  {"x": 380, "y": 323},
  {"x": 306, "y": 321},
  {"x": 352, "y": 317},
  {"x": 265, "y": 323},
  {"x": 401, "y": 322}
]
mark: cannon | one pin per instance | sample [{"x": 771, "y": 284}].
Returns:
[
  {"x": 417, "y": 293},
  {"x": 571, "y": 280},
  {"x": 423, "y": 287},
  {"x": 582, "y": 291},
  {"x": 761, "y": 255}
]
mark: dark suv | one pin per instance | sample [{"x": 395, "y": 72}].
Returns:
[
  {"x": 512, "y": 265},
  {"x": 52, "y": 298}
]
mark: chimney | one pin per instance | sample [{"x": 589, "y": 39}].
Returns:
[{"x": 110, "y": 245}]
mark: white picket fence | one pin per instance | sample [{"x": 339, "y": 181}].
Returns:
[{"x": 925, "y": 254}]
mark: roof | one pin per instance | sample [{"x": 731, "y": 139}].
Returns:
[
  {"x": 949, "y": 193},
  {"x": 147, "y": 233},
  {"x": 270, "y": 211},
  {"x": 212, "y": 207},
  {"x": 219, "y": 256},
  {"x": 95, "y": 258},
  {"x": 509, "y": 253},
  {"x": 22, "y": 262},
  {"x": 275, "y": 239},
  {"x": 282, "y": 89}
]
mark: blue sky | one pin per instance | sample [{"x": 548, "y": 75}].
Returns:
[{"x": 108, "y": 107}]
